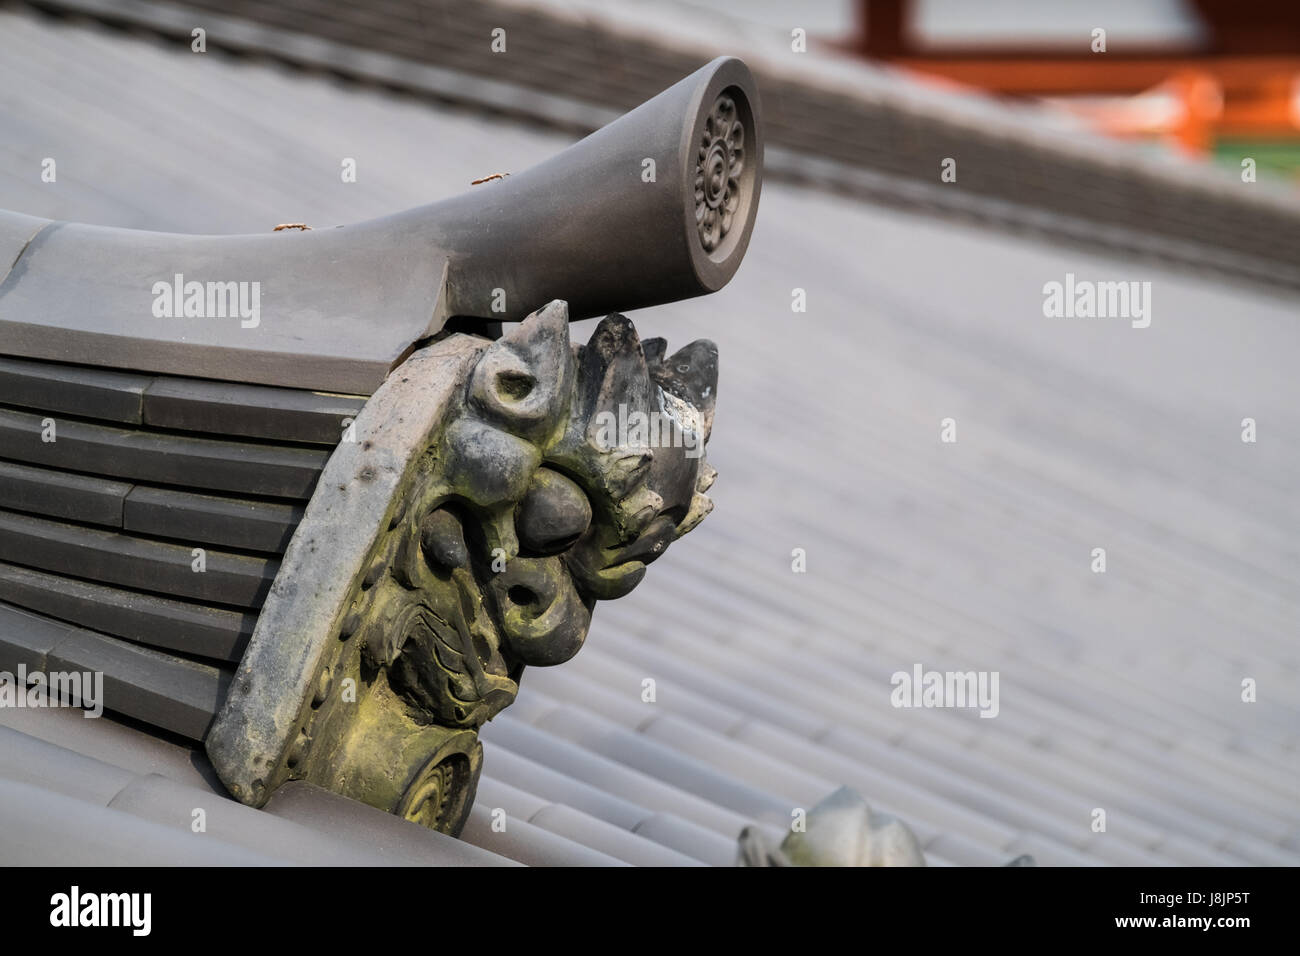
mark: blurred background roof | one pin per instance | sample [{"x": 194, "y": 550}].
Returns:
[{"x": 1119, "y": 691}]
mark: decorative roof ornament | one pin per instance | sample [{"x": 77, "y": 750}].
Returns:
[
  {"x": 842, "y": 830},
  {"x": 453, "y": 557},
  {"x": 535, "y": 480},
  {"x": 491, "y": 488}
]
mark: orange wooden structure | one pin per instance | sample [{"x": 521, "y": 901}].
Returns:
[{"x": 1243, "y": 83}]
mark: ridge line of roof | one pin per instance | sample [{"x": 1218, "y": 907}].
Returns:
[{"x": 1109, "y": 195}]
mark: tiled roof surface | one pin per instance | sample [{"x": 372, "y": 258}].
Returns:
[{"x": 1119, "y": 691}]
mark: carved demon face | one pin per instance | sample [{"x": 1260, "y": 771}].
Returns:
[{"x": 568, "y": 470}]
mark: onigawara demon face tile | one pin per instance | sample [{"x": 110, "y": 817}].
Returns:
[{"x": 564, "y": 474}]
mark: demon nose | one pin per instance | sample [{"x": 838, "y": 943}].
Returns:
[{"x": 553, "y": 515}]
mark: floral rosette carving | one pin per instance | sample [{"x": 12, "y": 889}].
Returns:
[{"x": 720, "y": 162}]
